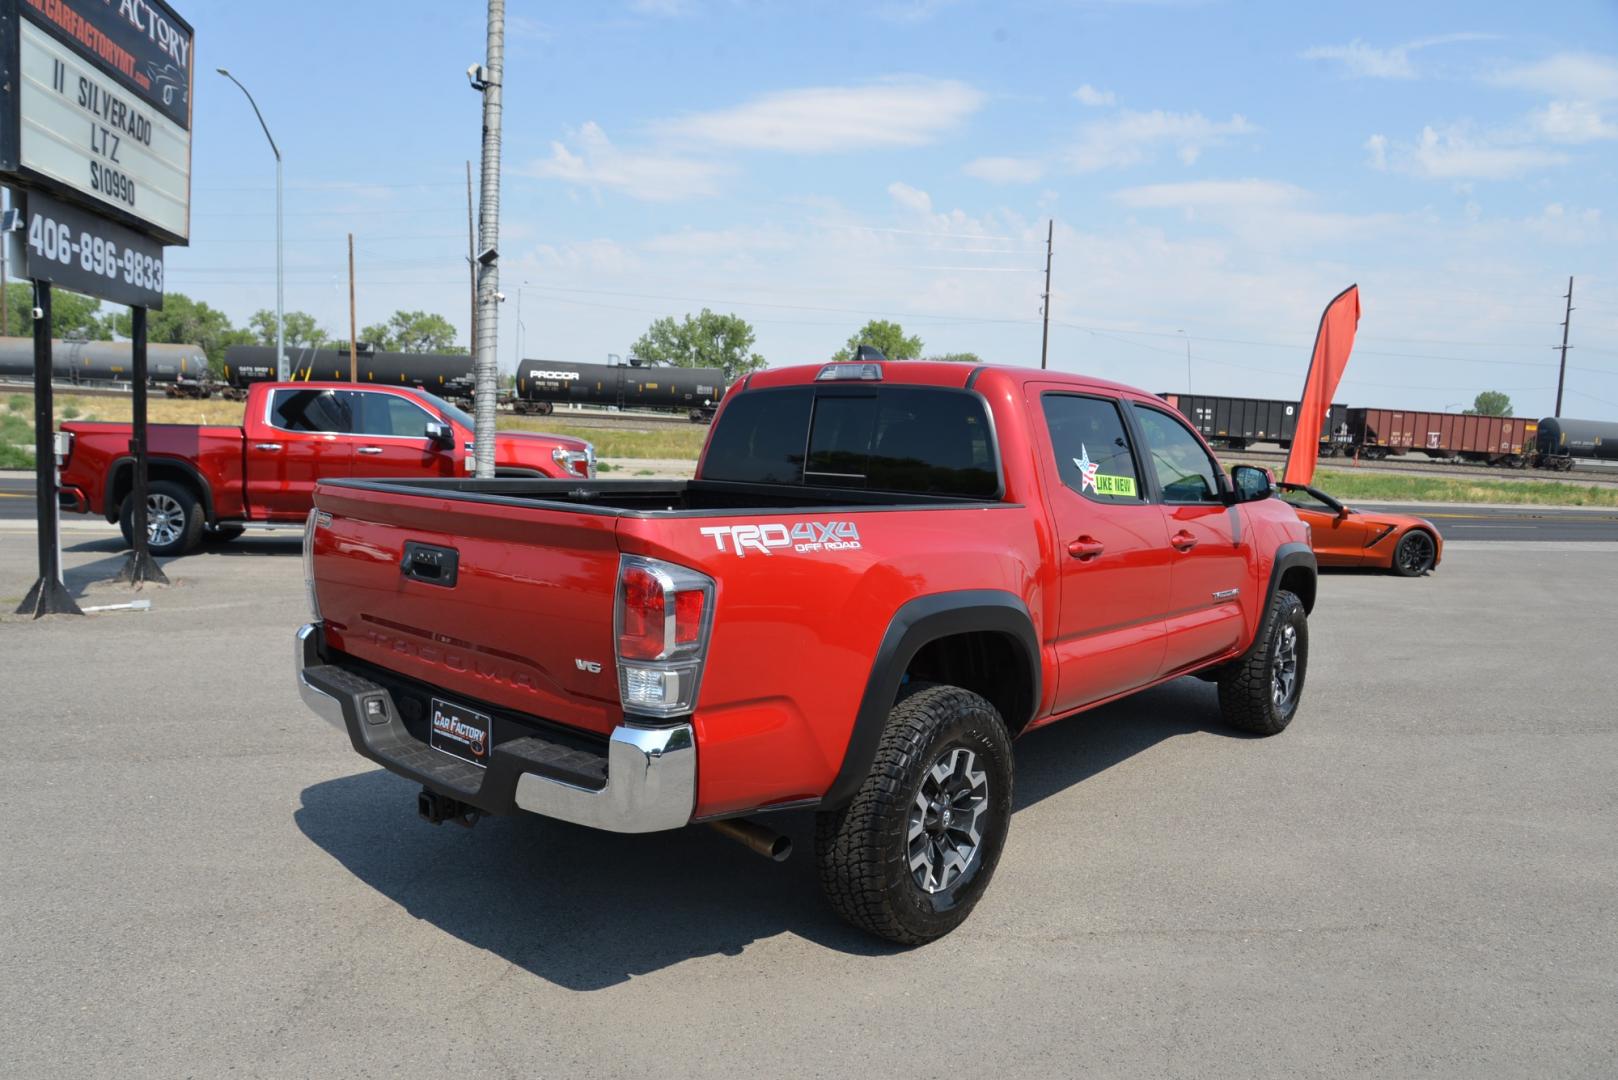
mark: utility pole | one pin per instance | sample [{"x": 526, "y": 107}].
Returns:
[
  {"x": 1045, "y": 340},
  {"x": 1561, "y": 376},
  {"x": 1188, "y": 363},
  {"x": 486, "y": 368},
  {"x": 472, "y": 258},
  {"x": 353, "y": 324}
]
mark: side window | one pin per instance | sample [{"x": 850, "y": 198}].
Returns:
[
  {"x": 388, "y": 415},
  {"x": 311, "y": 410},
  {"x": 1092, "y": 448},
  {"x": 1184, "y": 470}
]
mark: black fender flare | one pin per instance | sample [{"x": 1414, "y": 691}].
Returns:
[
  {"x": 919, "y": 622},
  {"x": 1288, "y": 556},
  {"x": 127, "y": 461}
]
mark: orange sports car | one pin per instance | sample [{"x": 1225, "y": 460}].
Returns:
[{"x": 1343, "y": 536}]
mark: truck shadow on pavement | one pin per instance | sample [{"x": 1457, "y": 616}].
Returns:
[{"x": 588, "y": 910}]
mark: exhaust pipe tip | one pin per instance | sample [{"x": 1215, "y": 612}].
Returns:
[{"x": 759, "y": 839}]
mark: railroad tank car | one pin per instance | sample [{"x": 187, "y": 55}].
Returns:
[
  {"x": 1495, "y": 440},
  {"x": 1239, "y": 422},
  {"x": 445, "y": 374},
  {"x": 103, "y": 361},
  {"x": 542, "y": 384},
  {"x": 1561, "y": 440}
]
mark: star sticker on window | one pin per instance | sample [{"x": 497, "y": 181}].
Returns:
[{"x": 1087, "y": 469}]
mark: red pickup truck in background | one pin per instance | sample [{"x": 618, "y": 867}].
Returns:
[
  {"x": 293, "y": 435},
  {"x": 880, "y": 576}
]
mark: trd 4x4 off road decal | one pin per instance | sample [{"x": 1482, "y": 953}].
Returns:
[{"x": 804, "y": 537}]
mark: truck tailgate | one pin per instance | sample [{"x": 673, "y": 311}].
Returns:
[{"x": 525, "y": 623}]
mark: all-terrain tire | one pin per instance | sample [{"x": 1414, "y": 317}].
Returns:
[
  {"x": 1260, "y": 694},
  {"x": 173, "y": 516},
  {"x": 867, "y": 855}
]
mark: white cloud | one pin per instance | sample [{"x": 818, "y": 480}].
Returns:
[
  {"x": 913, "y": 199},
  {"x": 1572, "y": 122},
  {"x": 1580, "y": 76},
  {"x": 1455, "y": 154},
  {"x": 1005, "y": 170},
  {"x": 651, "y": 176},
  {"x": 1211, "y": 193},
  {"x": 1089, "y": 95},
  {"x": 1131, "y": 136},
  {"x": 1364, "y": 61},
  {"x": 898, "y": 111},
  {"x": 1377, "y": 149}
]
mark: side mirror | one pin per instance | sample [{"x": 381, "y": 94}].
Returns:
[
  {"x": 1252, "y": 483},
  {"x": 441, "y": 436}
]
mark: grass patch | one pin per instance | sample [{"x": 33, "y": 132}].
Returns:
[
  {"x": 1432, "y": 489},
  {"x": 16, "y": 429},
  {"x": 682, "y": 443},
  {"x": 15, "y": 457},
  {"x": 19, "y": 403}
]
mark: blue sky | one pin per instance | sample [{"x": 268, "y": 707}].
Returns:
[{"x": 1216, "y": 172}]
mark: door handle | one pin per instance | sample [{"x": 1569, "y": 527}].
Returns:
[
  {"x": 1183, "y": 541},
  {"x": 269, "y": 447},
  {"x": 369, "y": 450},
  {"x": 1085, "y": 548}
]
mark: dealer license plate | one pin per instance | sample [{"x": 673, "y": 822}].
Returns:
[{"x": 461, "y": 732}]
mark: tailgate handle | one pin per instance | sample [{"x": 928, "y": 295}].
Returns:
[{"x": 433, "y": 565}]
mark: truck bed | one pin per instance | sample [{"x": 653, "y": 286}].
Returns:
[{"x": 651, "y": 498}]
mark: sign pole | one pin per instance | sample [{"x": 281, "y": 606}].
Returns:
[
  {"x": 48, "y": 596},
  {"x": 140, "y": 567}
]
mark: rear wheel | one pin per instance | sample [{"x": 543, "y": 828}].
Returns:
[
  {"x": 173, "y": 519},
  {"x": 1414, "y": 555},
  {"x": 911, "y": 855},
  {"x": 1260, "y": 694}
]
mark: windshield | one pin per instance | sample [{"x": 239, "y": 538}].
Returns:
[{"x": 455, "y": 414}]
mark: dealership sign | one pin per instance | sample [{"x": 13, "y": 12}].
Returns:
[{"x": 97, "y": 108}]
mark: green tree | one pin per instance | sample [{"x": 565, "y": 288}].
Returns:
[
  {"x": 887, "y": 336},
  {"x": 957, "y": 358},
  {"x": 298, "y": 330},
  {"x": 184, "y": 321},
  {"x": 1491, "y": 403},
  {"x": 705, "y": 340},
  {"x": 72, "y": 315},
  {"x": 413, "y": 331}
]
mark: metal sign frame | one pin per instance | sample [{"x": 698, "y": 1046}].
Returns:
[{"x": 99, "y": 22}]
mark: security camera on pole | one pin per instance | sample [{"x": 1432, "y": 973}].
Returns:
[
  {"x": 486, "y": 79},
  {"x": 95, "y": 142}
]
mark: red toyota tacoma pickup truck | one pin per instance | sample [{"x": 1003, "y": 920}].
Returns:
[
  {"x": 293, "y": 435},
  {"x": 881, "y": 575}
]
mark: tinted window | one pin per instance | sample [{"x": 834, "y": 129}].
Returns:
[
  {"x": 388, "y": 414},
  {"x": 1184, "y": 470},
  {"x": 1092, "y": 448},
  {"x": 310, "y": 410},
  {"x": 760, "y": 438},
  {"x": 907, "y": 439}
]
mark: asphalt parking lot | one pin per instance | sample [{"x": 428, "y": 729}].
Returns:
[{"x": 198, "y": 878}]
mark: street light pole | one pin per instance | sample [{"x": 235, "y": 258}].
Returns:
[{"x": 280, "y": 290}]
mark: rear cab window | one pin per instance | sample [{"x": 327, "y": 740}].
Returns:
[{"x": 907, "y": 439}]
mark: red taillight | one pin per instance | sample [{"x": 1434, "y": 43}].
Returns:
[
  {"x": 644, "y": 620},
  {"x": 664, "y": 617},
  {"x": 688, "y": 616}
]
